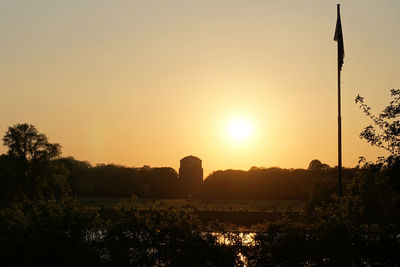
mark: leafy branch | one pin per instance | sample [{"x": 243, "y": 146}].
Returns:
[{"x": 386, "y": 131}]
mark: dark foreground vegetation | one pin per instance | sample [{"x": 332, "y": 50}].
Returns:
[{"x": 43, "y": 224}]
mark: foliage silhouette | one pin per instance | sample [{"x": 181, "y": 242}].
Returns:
[
  {"x": 28, "y": 171},
  {"x": 257, "y": 183},
  {"x": 119, "y": 181},
  {"x": 317, "y": 165},
  {"x": 271, "y": 183},
  {"x": 26, "y": 143},
  {"x": 386, "y": 132},
  {"x": 162, "y": 237}
]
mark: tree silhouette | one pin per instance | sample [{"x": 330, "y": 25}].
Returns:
[
  {"x": 317, "y": 165},
  {"x": 386, "y": 132},
  {"x": 28, "y": 171},
  {"x": 25, "y": 142}
]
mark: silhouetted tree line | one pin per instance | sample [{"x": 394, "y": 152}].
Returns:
[
  {"x": 119, "y": 181},
  {"x": 31, "y": 155},
  {"x": 318, "y": 182},
  {"x": 273, "y": 183}
]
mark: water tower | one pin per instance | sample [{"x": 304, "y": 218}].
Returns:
[{"x": 191, "y": 174}]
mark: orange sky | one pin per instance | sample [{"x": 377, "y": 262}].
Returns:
[{"x": 149, "y": 82}]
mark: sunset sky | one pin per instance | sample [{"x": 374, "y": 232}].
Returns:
[{"x": 149, "y": 82}]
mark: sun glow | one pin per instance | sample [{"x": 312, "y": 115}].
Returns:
[{"x": 240, "y": 130}]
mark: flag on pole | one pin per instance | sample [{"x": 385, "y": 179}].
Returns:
[{"x": 339, "y": 38}]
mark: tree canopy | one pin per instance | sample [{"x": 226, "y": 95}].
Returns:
[
  {"x": 28, "y": 170},
  {"x": 25, "y": 142}
]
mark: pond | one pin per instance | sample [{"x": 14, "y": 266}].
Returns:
[{"x": 242, "y": 239}]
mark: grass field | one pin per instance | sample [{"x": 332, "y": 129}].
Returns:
[{"x": 202, "y": 204}]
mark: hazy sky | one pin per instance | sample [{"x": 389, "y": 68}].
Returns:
[{"x": 149, "y": 82}]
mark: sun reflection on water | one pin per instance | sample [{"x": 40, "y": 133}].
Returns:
[{"x": 238, "y": 238}]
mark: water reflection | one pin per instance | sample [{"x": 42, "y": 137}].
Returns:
[
  {"x": 238, "y": 239},
  {"x": 234, "y": 238}
]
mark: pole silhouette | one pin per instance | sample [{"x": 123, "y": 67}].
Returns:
[
  {"x": 339, "y": 140},
  {"x": 340, "y": 46}
]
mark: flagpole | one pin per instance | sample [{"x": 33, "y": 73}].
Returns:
[
  {"x": 339, "y": 124},
  {"x": 339, "y": 140}
]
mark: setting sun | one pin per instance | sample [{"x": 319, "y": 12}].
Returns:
[{"x": 240, "y": 129}]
